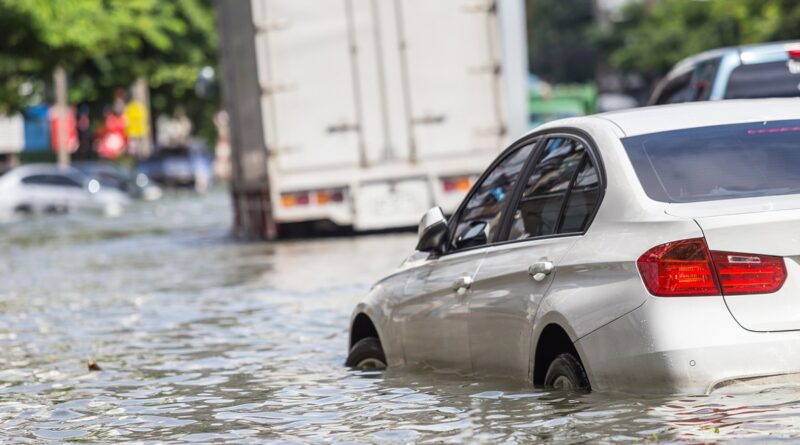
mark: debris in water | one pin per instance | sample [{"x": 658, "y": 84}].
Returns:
[{"x": 93, "y": 366}]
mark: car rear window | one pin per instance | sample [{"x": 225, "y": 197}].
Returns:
[
  {"x": 718, "y": 162},
  {"x": 773, "y": 79}
]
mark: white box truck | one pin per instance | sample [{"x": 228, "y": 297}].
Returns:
[{"x": 375, "y": 110}]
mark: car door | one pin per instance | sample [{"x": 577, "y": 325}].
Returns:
[
  {"x": 72, "y": 190},
  {"x": 42, "y": 194},
  {"x": 553, "y": 207},
  {"x": 433, "y": 313}
]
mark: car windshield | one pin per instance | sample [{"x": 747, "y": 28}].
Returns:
[{"x": 718, "y": 162}]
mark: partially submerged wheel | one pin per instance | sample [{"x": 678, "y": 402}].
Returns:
[
  {"x": 367, "y": 353},
  {"x": 566, "y": 373}
]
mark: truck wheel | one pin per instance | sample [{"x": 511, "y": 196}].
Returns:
[
  {"x": 566, "y": 373},
  {"x": 366, "y": 354}
]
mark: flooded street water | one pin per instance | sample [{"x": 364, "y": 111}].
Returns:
[{"x": 202, "y": 338}]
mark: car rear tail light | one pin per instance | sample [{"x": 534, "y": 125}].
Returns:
[
  {"x": 749, "y": 274},
  {"x": 457, "y": 184},
  {"x": 794, "y": 53},
  {"x": 688, "y": 268},
  {"x": 678, "y": 268}
]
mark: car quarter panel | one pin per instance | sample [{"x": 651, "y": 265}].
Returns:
[{"x": 597, "y": 280}]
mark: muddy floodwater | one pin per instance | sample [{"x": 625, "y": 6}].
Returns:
[{"x": 204, "y": 339}]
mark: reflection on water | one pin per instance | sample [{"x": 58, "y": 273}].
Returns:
[{"x": 202, "y": 338}]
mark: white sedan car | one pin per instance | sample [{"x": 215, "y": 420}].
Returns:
[
  {"x": 652, "y": 250},
  {"x": 47, "y": 188}
]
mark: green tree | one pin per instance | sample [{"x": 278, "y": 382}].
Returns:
[
  {"x": 558, "y": 48},
  {"x": 652, "y": 36},
  {"x": 107, "y": 44}
]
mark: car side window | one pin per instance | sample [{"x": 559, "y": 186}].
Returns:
[
  {"x": 51, "y": 180},
  {"x": 64, "y": 181},
  {"x": 582, "y": 200},
  {"x": 36, "y": 180},
  {"x": 677, "y": 90},
  {"x": 480, "y": 218},
  {"x": 703, "y": 79},
  {"x": 563, "y": 165}
]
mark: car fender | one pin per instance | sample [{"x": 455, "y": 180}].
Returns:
[
  {"x": 377, "y": 306},
  {"x": 544, "y": 318}
]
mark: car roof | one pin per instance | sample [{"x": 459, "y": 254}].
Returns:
[
  {"x": 752, "y": 53},
  {"x": 656, "y": 119},
  {"x": 45, "y": 169}
]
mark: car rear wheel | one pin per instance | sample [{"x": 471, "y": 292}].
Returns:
[
  {"x": 367, "y": 353},
  {"x": 566, "y": 373}
]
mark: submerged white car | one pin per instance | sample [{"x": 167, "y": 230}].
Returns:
[
  {"x": 650, "y": 250},
  {"x": 47, "y": 188}
]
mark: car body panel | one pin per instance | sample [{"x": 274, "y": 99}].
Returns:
[
  {"x": 683, "y": 345},
  {"x": 377, "y": 307}
]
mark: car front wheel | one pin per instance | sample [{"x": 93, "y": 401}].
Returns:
[
  {"x": 566, "y": 373},
  {"x": 367, "y": 353}
]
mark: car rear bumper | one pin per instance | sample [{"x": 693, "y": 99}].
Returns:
[{"x": 687, "y": 345}]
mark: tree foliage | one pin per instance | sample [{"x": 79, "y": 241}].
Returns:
[
  {"x": 557, "y": 45},
  {"x": 104, "y": 45},
  {"x": 652, "y": 36}
]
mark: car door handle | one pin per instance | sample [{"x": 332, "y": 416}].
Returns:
[
  {"x": 462, "y": 284},
  {"x": 539, "y": 271}
]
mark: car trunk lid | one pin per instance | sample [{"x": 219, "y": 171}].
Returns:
[{"x": 764, "y": 232}]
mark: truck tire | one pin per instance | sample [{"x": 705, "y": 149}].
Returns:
[
  {"x": 566, "y": 373},
  {"x": 367, "y": 353}
]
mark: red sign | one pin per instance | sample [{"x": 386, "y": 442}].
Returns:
[{"x": 71, "y": 132}]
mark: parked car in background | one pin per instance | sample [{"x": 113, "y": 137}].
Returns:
[
  {"x": 47, "y": 188},
  {"x": 650, "y": 250},
  {"x": 137, "y": 186},
  {"x": 744, "y": 72},
  {"x": 186, "y": 165}
]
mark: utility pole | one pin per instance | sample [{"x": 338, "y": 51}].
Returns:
[
  {"x": 62, "y": 110},
  {"x": 141, "y": 94}
]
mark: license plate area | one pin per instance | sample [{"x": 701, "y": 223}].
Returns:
[{"x": 395, "y": 203}]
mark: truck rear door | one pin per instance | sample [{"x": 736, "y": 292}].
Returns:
[
  {"x": 310, "y": 111},
  {"x": 453, "y": 87}
]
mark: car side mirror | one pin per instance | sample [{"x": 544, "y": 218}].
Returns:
[{"x": 432, "y": 231}]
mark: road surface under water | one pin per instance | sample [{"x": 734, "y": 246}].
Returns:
[{"x": 202, "y": 338}]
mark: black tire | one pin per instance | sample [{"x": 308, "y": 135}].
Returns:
[
  {"x": 367, "y": 353},
  {"x": 24, "y": 209},
  {"x": 567, "y": 374}
]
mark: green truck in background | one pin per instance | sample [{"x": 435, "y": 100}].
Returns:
[{"x": 549, "y": 102}]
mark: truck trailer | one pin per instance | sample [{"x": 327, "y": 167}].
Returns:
[{"x": 369, "y": 112}]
